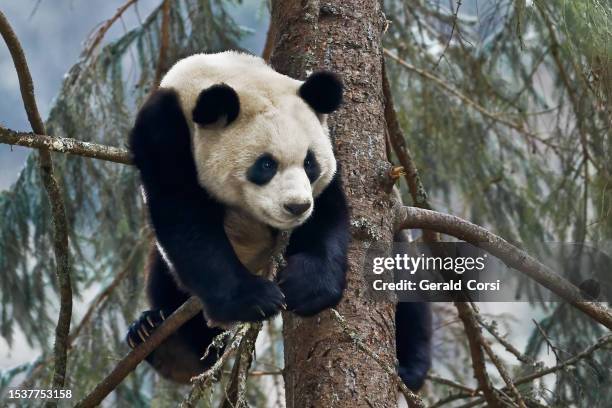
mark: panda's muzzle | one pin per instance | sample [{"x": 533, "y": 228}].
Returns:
[{"x": 297, "y": 209}]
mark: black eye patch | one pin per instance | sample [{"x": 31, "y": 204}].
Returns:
[
  {"x": 263, "y": 170},
  {"x": 311, "y": 166}
]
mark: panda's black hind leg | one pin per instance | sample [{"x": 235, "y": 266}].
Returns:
[{"x": 413, "y": 323}]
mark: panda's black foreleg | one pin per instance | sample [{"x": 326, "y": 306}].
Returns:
[
  {"x": 315, "y": 275},
  {"x": 188, "y": 223},
  {"x": 178, "y": 357},
  {"x": 413, "y": 323}
]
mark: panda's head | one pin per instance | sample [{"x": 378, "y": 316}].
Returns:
[{"x": 261, "y": 142}]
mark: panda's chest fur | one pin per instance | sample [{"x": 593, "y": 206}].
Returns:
[{"x": 254, "y": 242}]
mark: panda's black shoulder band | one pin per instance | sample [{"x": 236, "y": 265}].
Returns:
[
  {"x": 322, "y": 91},
  {"x": 215, "y": 102}
]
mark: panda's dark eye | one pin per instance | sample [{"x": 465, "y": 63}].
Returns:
[
  {"x": 263, "y": 170},
  {"x": 311, "y": 166}
]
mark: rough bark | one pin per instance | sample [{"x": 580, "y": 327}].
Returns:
[{"x": 324, "y": 368}]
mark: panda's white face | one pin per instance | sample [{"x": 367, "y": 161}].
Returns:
[
  {"x": 271, "y": 164},
  {"x": 258, "y": 142}
]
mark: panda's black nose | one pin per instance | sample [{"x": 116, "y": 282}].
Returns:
[{"x": 297, "y": 208}]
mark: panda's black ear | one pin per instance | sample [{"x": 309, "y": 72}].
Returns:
[
  {"x": 322, "y": 91},
  {"x": 214, "y": 103}
]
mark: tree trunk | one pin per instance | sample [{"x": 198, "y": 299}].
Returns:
[{"x": 323, "y": 368}]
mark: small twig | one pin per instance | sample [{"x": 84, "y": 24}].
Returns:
[
  {"x": 412, "y": 399},
  {"x": 504, "y": 374},
  {"x": 451, "y": 383},
  {"x": 452, "y": 397},
  {"x": 601, "y": 342},
  {"x": 97, "y": 38},
  {"x": 103, "y": 295},
  {"x": 549, "y": 343},
  {"x": 65, "y": 145},
  {"x": 63, "y": 263},
  {"x": 202, "y": 381},
  {"x": 128, "y": 363},
  {"x": 412, "y": 217},
  {"x": 507, "y": 345},
  {"x": 450, "y": 37},
  {"x": 235, "y": 393}
]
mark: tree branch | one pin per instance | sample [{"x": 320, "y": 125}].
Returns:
[
  {"x": 65, "y": 145},
  {"x": 501, "y": 369},
  {"x": 476, "y": 343},
  {"x": 163, "y": 46},
  {"x": 60, "y": 224},
  {"x": 412, "y": 217},
  {"x": 419, "y": 197},
  {"x": 97, "y": 303},
  {"x": 99, "y": 35},
  {"x": 450, "y": 37},
  {"x": 398, "y": 142},
  {"x": 235, "y": 391},
  {"x": 601, "y": 342},
  {"x": 211, "y": 375},
  {"x": 492, "y": 329},
  {"x": 128, "y": 363}
]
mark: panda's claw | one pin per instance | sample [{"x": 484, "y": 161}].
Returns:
[
  {"x": 130, "y": 342},
  {"x": 141, "y": 329},
  {"x": 141, "y": 335}
]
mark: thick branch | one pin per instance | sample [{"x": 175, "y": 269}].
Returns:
[
  {"x": 412, "y": 217},
  {"x": 189, "y": 309},
  {"x": 64, "y": 145},
  {"x": 60, "y": 223}
]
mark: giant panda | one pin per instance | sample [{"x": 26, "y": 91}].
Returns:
[{"x": 230, "y": 154}]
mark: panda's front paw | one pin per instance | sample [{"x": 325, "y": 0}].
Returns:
[
  {"x": 143, "y": 327},
  {"x": 307, "y": 287},
  {"x": 253, "y": 299}
]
